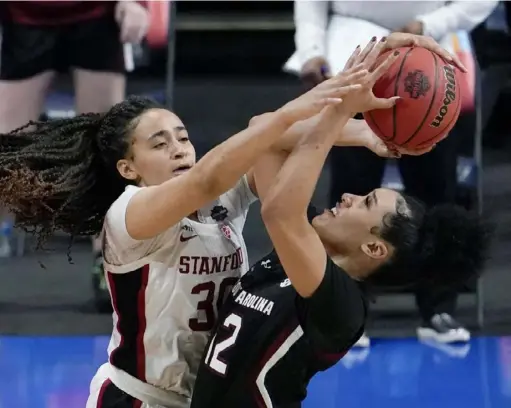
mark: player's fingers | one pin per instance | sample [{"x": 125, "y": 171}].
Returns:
[
  {"x": 352, "y": 59},
  {"x": 456, "y": 61},
  {"x": 384, "y": 66},
  {"x": 353, "y": 70},
  {"x": 344, "y": 78},
  {"x": 382, "y": 150},
  {"x": 398, "y": 40},
  {"x": 375, "y": 53},
  {"x": 365, "y": 52},
  {"x": 430, "y": 44},
  {"x": 384, "y": 103},
  {"x": 357, "y": 77},
  {"x": 321, "y": 103},
  {"x": 340, "y": 91}
]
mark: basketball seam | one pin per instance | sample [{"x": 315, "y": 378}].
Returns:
[
  {"x": 428, "y": 111},
  {"x": 374, "y": 123},
  {"x": 396, "y": 87}
]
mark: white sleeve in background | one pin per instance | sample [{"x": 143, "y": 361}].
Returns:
[
  {"x": 458, "y": 15},
  {"x": 311, "y": 21}
]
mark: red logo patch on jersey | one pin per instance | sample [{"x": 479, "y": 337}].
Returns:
[{"x": 226, "y": 231}]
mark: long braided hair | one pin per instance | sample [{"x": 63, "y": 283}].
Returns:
[{"x": 62, "y": 175}]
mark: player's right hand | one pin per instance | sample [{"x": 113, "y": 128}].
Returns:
[
  {"x": 315, "y": 71},
  {"x": 366, "y": 59},
  {"x": 397, "y": 40},
  {"x": 329, "y": 93}
]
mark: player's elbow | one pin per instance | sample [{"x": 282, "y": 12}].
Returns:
[
  {"x": 276, "y": 212},
  {"x": 271, "y": 211},
  {"x": 281, "y": 207}
]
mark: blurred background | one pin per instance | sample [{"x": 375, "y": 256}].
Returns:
[{"x": 217, "y": 64}]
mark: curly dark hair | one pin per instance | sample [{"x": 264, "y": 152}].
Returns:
[
  {"x": 62, "y": 175},
  {"x": 443, "y": 246}
]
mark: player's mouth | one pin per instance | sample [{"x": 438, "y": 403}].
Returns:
[
  {"x": 181, "y": 169},
  {"x": 335, "y": 211}
]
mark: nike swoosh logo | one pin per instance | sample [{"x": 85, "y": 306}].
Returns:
[{"x": 182, "y": 238}]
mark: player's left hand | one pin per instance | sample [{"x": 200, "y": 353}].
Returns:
[
  {"x": 414, "y": 27},
  {"x": 363, "y": 136},
  {"x": 133, "y": 20},
  {"x": 397, "y": 40},
  {"x": 365, "y": 60}
]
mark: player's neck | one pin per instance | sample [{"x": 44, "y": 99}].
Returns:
[{"x": 354, "y": 267}]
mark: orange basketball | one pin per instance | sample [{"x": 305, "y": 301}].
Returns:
[{"x": 430, "y": 100}]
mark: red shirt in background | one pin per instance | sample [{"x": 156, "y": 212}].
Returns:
[{"x": 54, "y": 12}]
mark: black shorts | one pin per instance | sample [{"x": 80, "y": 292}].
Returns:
[
  {"x": 28, "y": 50},
  {"x": 112, "y": 397}
]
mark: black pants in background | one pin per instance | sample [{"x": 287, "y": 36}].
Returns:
[{"x": 430, "y": 178}]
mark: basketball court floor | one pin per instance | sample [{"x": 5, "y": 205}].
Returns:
[{"x": 54, "y": 372}]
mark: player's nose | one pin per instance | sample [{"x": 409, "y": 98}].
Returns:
[{"x": 347, "y": 200}]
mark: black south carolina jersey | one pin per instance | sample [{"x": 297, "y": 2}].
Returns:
[{"x": 270, "y": 341}]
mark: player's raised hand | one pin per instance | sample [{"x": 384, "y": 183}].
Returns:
[
  {"x": 366, "y": 60},
  {"x": 328, "y": 93},
  {"x": 359, "y": 134},
  {"x": 398, "y": 40}
]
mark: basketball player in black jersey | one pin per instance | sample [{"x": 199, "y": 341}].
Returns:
[{"x": 301, "y": 308}]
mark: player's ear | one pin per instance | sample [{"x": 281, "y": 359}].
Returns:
[{"x": 375, "y": 249}]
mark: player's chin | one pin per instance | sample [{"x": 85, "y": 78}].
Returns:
[{"x": 322, "y": 220}]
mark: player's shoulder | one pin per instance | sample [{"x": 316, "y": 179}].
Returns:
[
  {"x": 121, "y": 203},
  {"x": 265, "y": 271},
  {"x": 270, "y": 261},
  {"x": 240, "y": 197}
]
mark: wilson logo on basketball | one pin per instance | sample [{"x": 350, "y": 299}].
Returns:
[
  {"x": 417, "y": 84},
  {"x": 449, "y": 95}
]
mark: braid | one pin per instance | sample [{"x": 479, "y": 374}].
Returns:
[{"x": 61, "y": 174}]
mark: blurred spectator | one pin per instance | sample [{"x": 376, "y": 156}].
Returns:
[
  {"x": 326, "y": 32},
  {"x": 41, "y": 38}
]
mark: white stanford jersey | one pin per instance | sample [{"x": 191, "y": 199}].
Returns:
[{"x": 166, "y": 293}]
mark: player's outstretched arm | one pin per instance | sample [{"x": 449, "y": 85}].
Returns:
[
  {"x": 284, "y": 209},
  {"x": 153, "y": 210}
]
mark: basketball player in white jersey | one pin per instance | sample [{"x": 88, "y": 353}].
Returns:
[{"x": 172, "y": 227}]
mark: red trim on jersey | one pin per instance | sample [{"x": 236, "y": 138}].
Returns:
[
  {"x": 332, "y": 357},
  {"x": 99, "y": 402},
  {"x": 271, "y": 350},
  {"x": 142, "y": 324},
  {"x": 135, "y": 284},
  {"x": 113, "y": 294}
]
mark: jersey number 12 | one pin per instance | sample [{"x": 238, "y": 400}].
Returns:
[{"x": 213, "y": 357}]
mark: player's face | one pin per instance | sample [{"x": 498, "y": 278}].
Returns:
[
  {"x": 160, "y": 149},
  {"x": 351, "y": 227}
]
